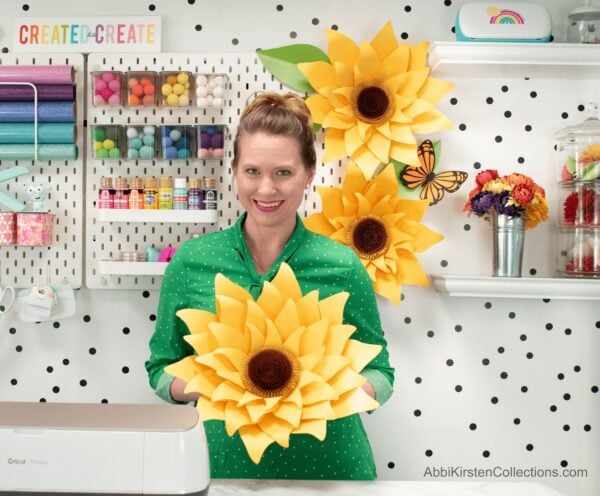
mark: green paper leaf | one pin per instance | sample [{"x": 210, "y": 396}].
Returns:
[
  {"x": 403, "y": 191},
  {"x": 282, "y": 63}
]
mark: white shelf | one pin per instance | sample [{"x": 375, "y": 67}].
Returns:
[
  {"x": 518, "y": 287},
  {"x": 108, "y": 267},
  {"x": 174, "y": 216},
  {"x": 490, "y": 60}
]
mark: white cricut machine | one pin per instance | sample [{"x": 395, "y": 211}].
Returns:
[{"x": 108, "y": 449}]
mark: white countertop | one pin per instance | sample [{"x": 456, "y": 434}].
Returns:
[{"x": 378, "y": 488}]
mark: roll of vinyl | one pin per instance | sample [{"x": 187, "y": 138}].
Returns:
[
  {"x": 48, "y": 133},
  {"x": 47, "y": 111},
  {"x": 45, "y": 92},
  {"x": 38, "y": 74},
  {"x": 45, "y": 152}
]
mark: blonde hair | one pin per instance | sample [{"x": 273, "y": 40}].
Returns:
[{"x": 281, "y": 115}]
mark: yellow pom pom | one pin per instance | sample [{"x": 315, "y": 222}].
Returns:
[
  {"x": 172, "y": 100},
  {"x": 166, "y": 89},
  {"x": 108, "y": 144},
  {"x": 178, "y": 89},
  {"x": 182, "y": 78}
]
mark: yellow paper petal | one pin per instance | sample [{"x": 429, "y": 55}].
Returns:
[
  {"x": 387, "y": 286},
  {"x": 319, "y": 74},
  {"x": 384, "y": 42},
  {"x": 317, "y": 392},
  {"x": 229, "y": 337},
  {"x": 355, "y": 401},
  {"x": 334, "y": 145},
  {"x": 418, "y": 56},
  {"x": 330, "y": 365},
  {"x": 224, "y": 286},
  {"x": 308, "y": 362},
  {"x": 319, "y": 107},
  {"x": 308, "y": 308},
  {"x": 204, "y": 383},
  {"x": 285, "y": 281},
  {"x": 352, "y": 140},
  {"x": 396, "y": 62},
  {"x": 401, "y": 133},
  {"x": 360, "y": 354},
  {"x": 434, "y": 89},
  {"x": 185, "y": 369},
  {"x": 230, "y": 311},
  {"x": 337, "y": 339},
  {"x": 216, "y": 362},
  {"x": 255, "y": 440},
  {"x": 235, "y": 418},
  {"x": 288, "y": 412},
  {"x": 332, "y": 308},
  {"x": 346, "y": 380},
  {"x": 313, "y": 336},
  {"x": 201, "y": 342},
  {"x": 234, "y": 377},
  {"x": 236, "y": 358},
  {"x": 406, "y": 154},
  {"x": 279, "y": 429},
  {"x": 429, "y": 122},
  {"x": 208, "y": 410},
  {"x": 255, "y": 315},
  {"x": 366, "y": 160},
  {"x": 368, "y": 62},
  {"x": 270, "y": 300},
  {"x": 316, "y": 428},
  {"x": 257, "y": 410},
  {"x": 318, "y": 223},
  {"x": 320, "y": 410},
  {"x": 196, "y": 320},
  {"x": 273, "y": 337},
  {"x": 386, "y": 182},
  {"x": 340, "y": 121},
  {"x": 341, "y": 48},
  {"x": 288, "y": 320},
  {"x": 227, "y": 391}
]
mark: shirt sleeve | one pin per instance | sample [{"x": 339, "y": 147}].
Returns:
[
  {"x": 167, "y": 344},
  {"x": 361, "y": 311}
]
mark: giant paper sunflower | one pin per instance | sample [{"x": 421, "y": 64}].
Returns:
[
  {"x": 385, "y": 231},
  {"x": 373, "y": 97},
  {"x": 283, "y": 364}
]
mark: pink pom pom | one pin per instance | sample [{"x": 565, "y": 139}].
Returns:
[
  {"x": 148, "y": 99},
  {"x": 99, "y": 84},
  {"x": 106, "y": 93},
  {"x": 115, "y": 85},
  {"x": 98, "y": 100},
  {"x": 204, "y": 153},
  {"x": 114, "y": 100},
  {"x": 217, "y": 152},
  {"x": 108, "y": 76}
]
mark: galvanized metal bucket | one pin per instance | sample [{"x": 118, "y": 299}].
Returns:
[{"x": 509, "y": 238}]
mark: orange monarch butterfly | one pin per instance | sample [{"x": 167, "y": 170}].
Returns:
[{"x": 434, "y": 185}]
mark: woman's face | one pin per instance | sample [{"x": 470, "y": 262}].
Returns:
[{"x": 271, "y": 178}]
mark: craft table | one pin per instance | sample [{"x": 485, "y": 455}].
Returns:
[{"x": 378, "y": 488}]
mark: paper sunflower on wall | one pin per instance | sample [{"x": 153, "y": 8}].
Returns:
[
  {"x": 385, "y": 231},
  {"x": 371, "y": 98},
  {"x": 283, "y": 364}
]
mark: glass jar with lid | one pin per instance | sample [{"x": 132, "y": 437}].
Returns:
[
  {"x": 584, "y": 24},
  {"x": 579, "y": 197}
]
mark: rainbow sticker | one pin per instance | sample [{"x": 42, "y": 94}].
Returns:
[{"x": 504, "y": 16}]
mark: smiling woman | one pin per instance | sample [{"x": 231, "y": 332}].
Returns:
[{"x": 274, "y": 161}]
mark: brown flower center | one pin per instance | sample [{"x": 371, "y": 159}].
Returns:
[
  {"x": 271, "y": 372},
  {"x": 372, "y": 102},
  {"x": 369, "y": 237}
]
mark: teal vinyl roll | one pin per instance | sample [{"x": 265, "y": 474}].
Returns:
[
  {"x": 45, "y": 152},
  {"x": 48, "y": 133}
]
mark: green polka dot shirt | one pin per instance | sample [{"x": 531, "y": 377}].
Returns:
[{"x": 318, "y": 263}]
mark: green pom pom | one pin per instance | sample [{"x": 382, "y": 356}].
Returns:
[
  {"x": 102, "y": 153},
  {"x": 99, "y": 134},
  {"x": 114, "y": 153}
]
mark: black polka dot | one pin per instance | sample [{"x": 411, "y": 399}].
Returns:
[
  {"x": 334, "y": 27},
  {"x": 449, "y": 362},
  {"x": 467, "y": 227},
  {"x": 4, "y": 49},
  {"x": 315, "y": 21},
  {"x": 485, "y": 361},
  {"x": 418, "y": 380},
  {"x": 504, "y": 89},
  {"x": 146, "y": 294},
  {"x": 523, "y": 337},
  {"x": 49, "y": 369},
  {"x": 529, "y": 355},
  {"x": 462, "y": 127},
  {"x": 444, "y": 263},
  {"x": 486, "y": 454},
  {"x": 293, "y": 35},
  {"x": 533, "y": 94},
  {"x": 458, "y": 328},
  {"x": 430, "y": 334},
  {"x": 234, "y": 41},
  {"x": 549, "y": 326},
  {"x": 516, "y": 421},
  {"x": 503, "y": 375},
  {"x": 581, "y": 108},
  {"x": 14, "y": 382},
  {"x": 56, "y": 389},
  {"x": 564, "y": 115},
  {"x": 279, "y": 8},
  {"x": 83, "y": 383},
  {"x": 529, "y": 447},
  {"x": 191, "y": 2},
  {"x": 56, "y": 325},
  {"x": 198, "y": 27},
  {"x": 473, "y": 426},
  {"x": 566, "y": 427},
  {"x": 18, "y": 348},
  {"x": 104, "y": 400},
  {"x": 65, "y": 361},
  {"x": 417, "y": 413},
  {"x": 151, "y": 7},
  {"x": 577, "y": 368},
  {"x": 487, "y": 305},
  {"x": 447, "y": 3},
  {"x": 528, "y": 127},
  {"x": 498, "y": 139},
  {"x": 92, "y": 351},
  {"x": 594, "y": 389},
  {"x": 566, "y": 396},
  {"x": 494, "y": 400},
  {"x": 532, "y": 272},
  {"x": 560, "y": 376},
  {"x": 587, "y": 427},
  {"x": 553, "y": 408},
  {"x": 152, "y": 317},
  {"x": 125, "y": 370},
  {"x": 458, "y": 388},
  {"x": 564, "y": 463},
  {"x": 476, "y": 165},
  {"x": 407, "y": 320},
  {"x": 25, "y": 7},
  {"x": 12, "y": 330},
  {"x": 508, "y": 114},
  {"x": 407, "y": 8},
  {"x": 391, "y": 464},
  {"x": 520, "y": 160},
  {"x": 489, "y": 100},
  {"x": 568, "y": 331},
  {"x": 511, "y": 315},
  {"x": 501, "y": 349},
  {"x": 428, "y": 453},
  {"x": 524, "y": 389},
  {"x": 453, "y": 101},
  {"x": 86, "y": 318}
]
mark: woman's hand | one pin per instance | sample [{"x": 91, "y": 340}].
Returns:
[
  {"x": 178, "y": 393},
  {"x": 368, "y": 388}
]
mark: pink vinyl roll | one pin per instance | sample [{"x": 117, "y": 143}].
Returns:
[
  {"x": 34, "y": 228},
  {"x": 38, "y": 74},
  {"x": 8, "y": 228}
]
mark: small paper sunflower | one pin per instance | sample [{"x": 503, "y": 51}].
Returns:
[
  {"x": 283, "y": 364},
  {"x": 385, "y": 231},
  {"x": 372, "y": 98}
]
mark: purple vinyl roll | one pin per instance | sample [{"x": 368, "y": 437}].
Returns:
[
  {"x": 37, "y": 74},
  {"x": 45, "y": 92}
]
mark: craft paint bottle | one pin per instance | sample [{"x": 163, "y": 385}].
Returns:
[
  {"x": 150, "y": 194},
  {"x": 209, "y": 193},
  {"x": 106, "y": 194},
  {"x": 121, "y": 192},
  {"x": 180, "y": 194},
  {"x": 195, "y": 195},
  {"x": 165, "y": 193},
  {"x": 136, "y": 194}
]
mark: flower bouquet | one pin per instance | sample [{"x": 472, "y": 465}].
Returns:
[
  {"x": 515, "y": 195},
  {"x": 513, "y": 203}
]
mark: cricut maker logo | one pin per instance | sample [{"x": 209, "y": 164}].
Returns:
[{"x": 17, "y": 461}]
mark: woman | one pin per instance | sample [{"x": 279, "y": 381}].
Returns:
[{"x": 274, "y": 162}]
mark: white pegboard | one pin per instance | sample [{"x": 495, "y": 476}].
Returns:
[
  {"x": 61, "y": 262},
  {"x": 246, "y": 76}
]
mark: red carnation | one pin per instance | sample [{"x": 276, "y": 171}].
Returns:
[
  {"x": 522, "y": 194},
  {"x": 485, "y": 176},
  {"x": 584, "y": 264}
]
